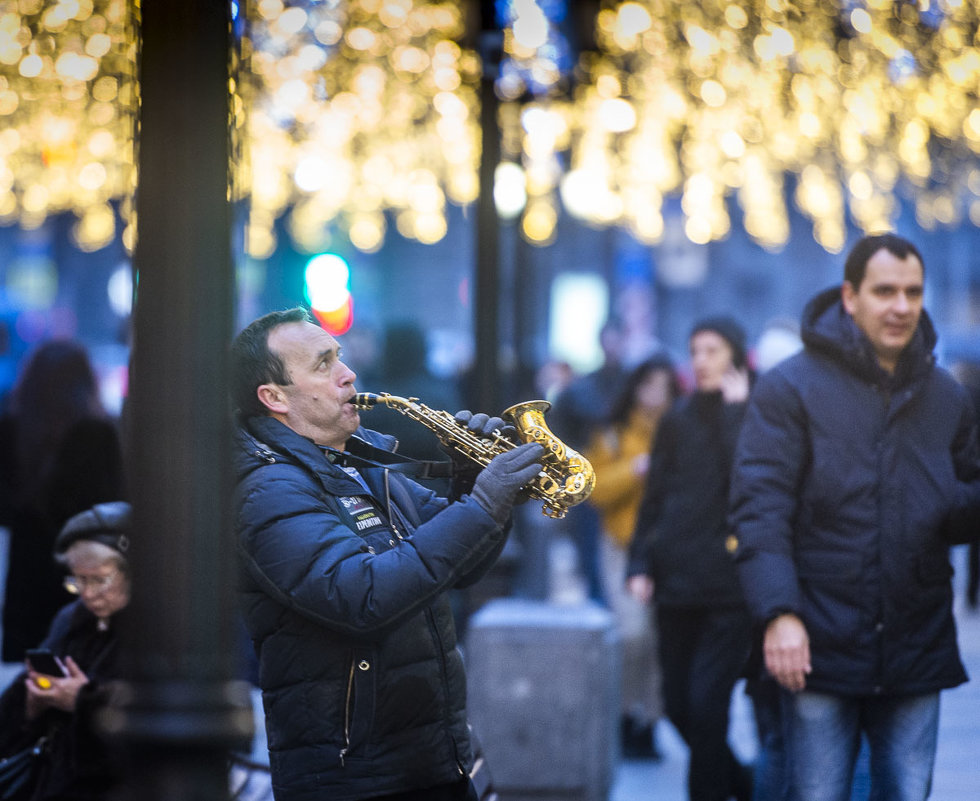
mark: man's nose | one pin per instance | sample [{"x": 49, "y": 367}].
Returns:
[{"x": 902, "y": 303}]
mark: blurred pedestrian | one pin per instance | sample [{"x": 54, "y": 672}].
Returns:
[
  {"x": 579, "y": 409},
  {"x": 967, "y": 372},
  {"x": 680, "y": 557},
  {"x": 53, "y": 708},
  {"x": 586, "y": 401},
  {"x": 551, "y": 379},
  {"x": 59, "y": 454},
  {"x": 857, "y": 467},
  {"x": 780, "y": 339},
  {"x": 620, "y": 456},
  {"x": 635, "y": 310}
]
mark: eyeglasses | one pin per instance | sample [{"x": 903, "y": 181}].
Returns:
[{"x": 76, "y": 585}]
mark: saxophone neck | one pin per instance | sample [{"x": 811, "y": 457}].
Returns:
[
  {"x": 410, "y": 407},
  {"x": 368, "y": 400}
]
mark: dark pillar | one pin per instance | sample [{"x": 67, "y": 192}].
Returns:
[
  {"x": 486, "y": 297},
  {"x": 184, "y": 709}
]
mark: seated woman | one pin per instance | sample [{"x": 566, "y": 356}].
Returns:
[{"x": 75, "y": 764}]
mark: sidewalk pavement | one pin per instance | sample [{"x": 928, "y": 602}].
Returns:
[{"x": 957, "y": 772}]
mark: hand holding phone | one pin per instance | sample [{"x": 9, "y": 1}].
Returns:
[
  {"x": 43, "y": 661},
  {"x": 52, "y": 682}
]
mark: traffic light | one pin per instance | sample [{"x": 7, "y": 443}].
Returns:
[{"x": 327, "y": 279}]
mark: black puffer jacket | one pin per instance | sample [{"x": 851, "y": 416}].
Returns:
[
  {"x": 849, "y": 485},
  {"x": 78, "y": 764},
  {"x": 344, "y": 599},
  {"x": 681, "y": 528}
]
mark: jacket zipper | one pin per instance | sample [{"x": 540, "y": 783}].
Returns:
[
  {"x": 392, "y": 519},
  {"x": 445, "y": 685},
  {"x": 347, "y": 712}
]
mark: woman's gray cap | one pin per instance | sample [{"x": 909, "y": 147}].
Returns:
[{"x": 107, "y": 523}]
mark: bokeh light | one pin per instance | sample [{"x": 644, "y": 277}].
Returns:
[{"x": 350, "y": 117}]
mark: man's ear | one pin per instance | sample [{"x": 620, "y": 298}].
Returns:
[
  {"x": 847, "y": 296},
  {"x": 273, "y": 398}
]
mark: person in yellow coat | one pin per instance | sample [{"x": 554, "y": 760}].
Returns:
[{"x": 620, "y": 453}]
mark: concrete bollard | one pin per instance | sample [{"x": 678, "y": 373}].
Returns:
[{"x": 544, "y": 698}]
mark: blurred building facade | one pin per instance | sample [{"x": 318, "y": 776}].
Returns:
[{"x": 50, "y": 289}]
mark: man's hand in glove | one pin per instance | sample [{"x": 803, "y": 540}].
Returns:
[
  {"x": 465, "y": 470},
  {"x": 497, "y": 486},
  {"x": 484, "y": 425}
]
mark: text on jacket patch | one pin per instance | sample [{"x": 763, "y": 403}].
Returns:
[{"x": 362, "y": 512}]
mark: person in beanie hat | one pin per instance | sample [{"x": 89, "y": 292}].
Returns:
[
  {"x": 679, "y": 556},
  {"x": 729, "y": 330},
  {"x": 75, "y": 764}
]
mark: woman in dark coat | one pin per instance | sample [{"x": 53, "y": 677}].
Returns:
[
  {"x": 59, "y": 455},
  {"x": 76, "y": 765},
  {"x": 680, "y": 553}
]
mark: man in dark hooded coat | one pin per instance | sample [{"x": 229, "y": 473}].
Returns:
[{"x": 856, "y": 468}]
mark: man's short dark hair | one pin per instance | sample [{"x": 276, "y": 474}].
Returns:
[
  {"x": 253, "y": 364},
  {"x": 857, "y": 260}
]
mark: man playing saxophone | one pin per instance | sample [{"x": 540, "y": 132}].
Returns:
[{"x": 346, "y": 566}]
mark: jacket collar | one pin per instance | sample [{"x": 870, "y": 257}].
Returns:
[{"x": 264, "y": 440}]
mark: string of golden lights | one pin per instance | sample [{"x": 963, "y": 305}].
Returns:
[
  {"x": 352, "y": 114},
  {"x": 67, "y": 114},
  {"x": 861, "y": 101},
  {"x": 356, "y": 109}
]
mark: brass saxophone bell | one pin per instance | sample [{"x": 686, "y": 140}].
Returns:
[{"x": 567, "y": 478}]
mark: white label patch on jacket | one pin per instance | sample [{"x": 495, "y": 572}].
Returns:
[{"x": 364, "y": 515}]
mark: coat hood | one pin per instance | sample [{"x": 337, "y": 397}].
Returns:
[{"x": 826, "y": 327}]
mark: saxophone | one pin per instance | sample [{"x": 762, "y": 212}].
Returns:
[{"x": 566, "y": 477}]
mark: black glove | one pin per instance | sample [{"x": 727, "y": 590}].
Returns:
[
  {"x": 499, "y": 483},
  {"x": 484, "y": 425},
  {"x": 465, "y": 470}
]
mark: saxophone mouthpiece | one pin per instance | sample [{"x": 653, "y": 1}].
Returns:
[{"x": 365, "y": 400}]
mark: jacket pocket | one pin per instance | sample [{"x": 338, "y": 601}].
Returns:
[
  {"x": 359, "y": 703},
  {"x": 831, "y": 594},
  {"x": 926, "y": 609}
]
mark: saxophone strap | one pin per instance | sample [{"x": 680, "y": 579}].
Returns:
[{"x": 362, "y": 454}]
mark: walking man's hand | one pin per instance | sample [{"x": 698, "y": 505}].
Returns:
[{"x": 787, "y": 651}]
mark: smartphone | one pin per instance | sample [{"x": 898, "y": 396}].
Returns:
[{"x": 42, "y": 660}]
